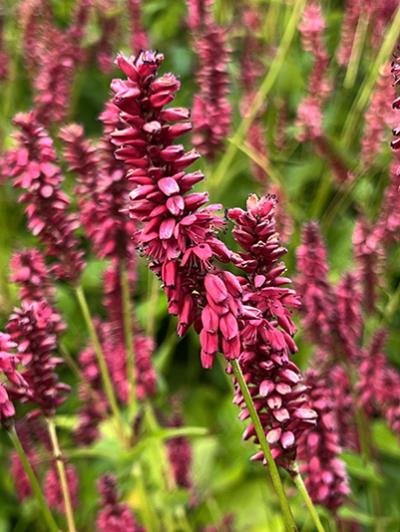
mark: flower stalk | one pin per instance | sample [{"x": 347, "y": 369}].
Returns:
[
  {"x": 298, "y": 480},
  {"x": 108, "y": 387},
  {"x": 62, "y": 475},
  {"x": 272, "y": 467},
  {"x": 52, "y": 525},
  {"x": 128, "y": 334}
]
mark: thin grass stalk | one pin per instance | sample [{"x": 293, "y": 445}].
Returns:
[
  {"x": 356, "y": 51},
  {"x": 272, "y": 467},
  {"x": 69, "y": 512},
  {"x": 392, "y": 34},
  {"x": 108, "y": 387},
  {"x": 47, "y": 515},
  {"x": 128, "y": 334},
  {"x": 259, "y": 99},
  {"x": 298, "y": 480}
]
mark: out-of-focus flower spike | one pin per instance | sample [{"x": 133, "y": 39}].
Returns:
[
  {"x": 34, "y": 328},
  {"x": 114, "y": 515},
  {"x": 4, "y": 59},
  {"x": 211, "y": 112},
  {"x": 52, "y": 488},
  {"x": 30, "y": 272},
  {"x": 139, "y": 39},
  {"x": 324, "y": 472},
  {"x": 36, "y": 172}
]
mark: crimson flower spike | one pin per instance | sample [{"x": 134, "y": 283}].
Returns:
[
  {"x": 37, "y": 174},
  {"x": 176, "y": 231}
]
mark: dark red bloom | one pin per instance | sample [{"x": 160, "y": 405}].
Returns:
[
  {"x": 52, "y": 488},
  {"x": 114, "y": 516},
  {"x": 180, "y": 454},
  {"x": 211, "y": 108},
  {"x": 309, "y": 115},
  {"x": 318, "y": 303},
  {"x": 4, "y": 59},
  {"x": 36, "y": 172},
  {"x": 175, "y": 232},
  {"x": 8, "y": 367},
  {"x": 34, "y": 328},
  {"x": 30, "y": 272},
  {"x": 324, "y": 472},
  {"x": 139, "y": 39},
  {"x": 274, "y": 381}
]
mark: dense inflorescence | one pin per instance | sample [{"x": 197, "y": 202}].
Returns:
[
  {"x": 211, "y": 108},
  {"x": 8, "y": 367},
  {"x": 274, "y": 381},
  {"x": 36, "y": 172},
  {"x": 34, "y": 328},
  {"x": 52, "y": 488},
  {"x": 319, "y": 449},
  {"x": 30, "y": 272},
  {"x": 114, "y": 516}
]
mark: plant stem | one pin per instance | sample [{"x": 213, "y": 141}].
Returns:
[
  {"x": 358, "y": 44},
  {"x": 62, "y": 475},
  {"x": 128, "y": 333},
  {"x": 33, "y": 481},
  {"x": 108, "y": 387},
  {"x": 272, "y": 467},
  {"x": 353, "y": 119},
  {"x": 298, "y": 480},
  {"x": 259, "y": 99}
]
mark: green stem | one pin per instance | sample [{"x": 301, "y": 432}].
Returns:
[
  {"x": 272, "y": 467},
  {"x": 52, "y": 525},
  {"x": 259, "y": 99},
  {"x": 358, "y": 44},
  {"x": 353, "y": 119},
  {"x": 62, "y": 475},
  {"x": 128, "y": 333},
  {"x": 298, "y": 480},
  {"x": 108, "y": 387},
  {"x": 153, "y": 299}
]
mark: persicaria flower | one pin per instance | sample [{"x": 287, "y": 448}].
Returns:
[
  {"x": 34, "y": 328},
  {"x": 324, "y": 472},
  {"x": 139, "y": 39},
  {"x": 114, "y": 516},
  {"x": 36, "y": 172},
  {"x": 52, "y": 487},
  {"x": 274, "y": 381},
  {"x": 211, "y": 108},
  {"x": 30, "y": 272},
  {"x": 8, "y": 367},
  {"x": 175, "y": 230}
]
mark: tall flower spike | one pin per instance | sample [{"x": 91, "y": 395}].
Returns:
[
  {"x": 211, "y": 107},
  {"x": 8, "y": 367},
  {"x": 309, "y": 115},
  {"x": 325, "y": 474},
  {"x": 378, "y": 118},
  {"x": 34, "y": 329},
  {"x": 36, "y": 172},
  {"x": 4, "y": 59},
  {"x": 30, "y": 272},
  {"x": 318, "y": 304},
  {"x": 52, "y": 488},
  {"x": 369, "y": 256},
  {"x": 108, "y": 20},
  {"x": 176, "y": 231},
  {"x": 274, "y": 381},
  {"x": 114, "y": 516},
  {"x": 139, "y": 39}
]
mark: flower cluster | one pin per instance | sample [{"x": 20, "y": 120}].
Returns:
[
  {"x": 34, "y": 328},
  {"x": 139, "y": 40},
  {"x": 309, "y": 114},
  {"x": 274, "y": 381},
  {"x": 175, "y": 232},
  {"x": 325, "y": 474},
  {"x": 211, "y": 108},
  {"x": 52, "y": 487},
  {"x": 8, "y": 367},
  {"x": 114, "y": 516},
  {"x": 30, "y": 272},
  {"x": 36, "y": 172}
]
